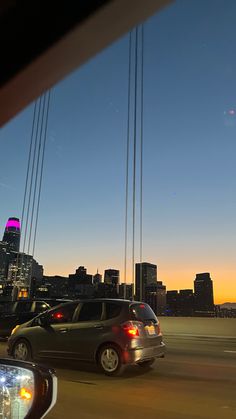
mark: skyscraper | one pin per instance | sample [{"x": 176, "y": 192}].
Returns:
[
  {"x": 22, "y": 268},
  {"x": 203, "y": 292},
  {"x": 155, "y": 296},
  {"x": 145, "y": 275},
  {"x": 5, "y": 257},
  {"x": 80, "y": 284},
  {"x": 126, "y": 290},
  {"x": 97, "y": 278},
  {"x": 186, "y": 302},
  {"x": 172, "y": 301},
  {"x": 112, "y": 276},
  {"x": 12, "y": 234}
]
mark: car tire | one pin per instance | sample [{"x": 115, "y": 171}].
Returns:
[
  {"x": 110, "y": 360},
  {"x": 147, "y": 364},
  {"x": 22, "y": 350}
]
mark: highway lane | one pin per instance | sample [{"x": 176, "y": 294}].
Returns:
[
  {"x": 201, "y": 346},
  {"x": 196, "y": 380}
]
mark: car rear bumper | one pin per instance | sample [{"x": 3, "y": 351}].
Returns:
[{"x": 140, "y": 354}]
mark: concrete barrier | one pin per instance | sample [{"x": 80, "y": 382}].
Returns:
[{"x": 198, "y": 326}]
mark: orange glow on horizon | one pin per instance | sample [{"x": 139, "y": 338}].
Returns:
[{"x": 224, "y": 281}]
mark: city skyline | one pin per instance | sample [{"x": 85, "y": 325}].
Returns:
[
  {"x": 184, "y": 284},
  {"x": 111, "y": 276},
  {"x": 189, "y": 203}
]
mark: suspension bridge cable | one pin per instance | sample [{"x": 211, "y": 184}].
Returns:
[
  {"x": 26, "y": 180},
  {"x": 28, "y": 166},
  {"x": 134, "y": 155},
  {"x": 36, "y": 171},
  {"x": 41, "y": 172},
  {"x": 141, "y": 165},
  {"x": 32, "y": 174},
  {"x": 127, "y": 163}
]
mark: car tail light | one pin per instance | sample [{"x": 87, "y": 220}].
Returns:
[
  {"x": 57, "y": 316},
  {"x": 130, "y": 329},
  {"x": 158, "y": 328}
]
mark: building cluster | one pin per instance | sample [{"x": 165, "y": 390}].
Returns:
[
  {"x": 83, "y": 285},
  {"x": 16, "y": 268},
  {"x": 148, "y": 288},
  {"x": 197, "y": 302},
  {"x": 22, "y": 277},
  {"x": 224, "y": 311},
  {"x": 187, "y": 302}
]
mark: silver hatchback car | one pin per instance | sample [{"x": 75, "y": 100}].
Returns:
[{"x": 112, "y": 333}]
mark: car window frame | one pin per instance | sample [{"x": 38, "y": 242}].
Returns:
[
  {"x": 76, "y": 319},
  {"x": 136, "y": 303},
  {"x": 115, "y": 303},
  {"x": 18, "y": 303},
  {"x": 34, "y": 322},
  {"x": 63, "y": 305},
  {"x": 33, "y": 308}
]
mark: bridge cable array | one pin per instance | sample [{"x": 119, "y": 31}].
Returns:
[
  {"x": 34, "y": 176},
  {"x": 127, "y": 161},
  {"x": 134, "y": 133},
  {"x": 141, "y": 165}
]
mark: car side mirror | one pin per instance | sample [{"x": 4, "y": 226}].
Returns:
[
  {"x": 43, "y": 320},
  {"x": 27, "y": 390}
]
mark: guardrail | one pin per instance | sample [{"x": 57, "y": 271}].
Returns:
[{"x": 198, "y": 326}]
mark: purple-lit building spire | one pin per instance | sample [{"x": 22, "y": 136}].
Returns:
[{"x": 12, "y": 234}]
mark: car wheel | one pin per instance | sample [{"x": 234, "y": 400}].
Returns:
[
  {"x": 22, "y": 350},
  {"x": 147, "y": 364},
  {"x": 110, "y": 360}
]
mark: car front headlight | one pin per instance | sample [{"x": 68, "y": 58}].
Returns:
[{"x": 15, "y": 329}]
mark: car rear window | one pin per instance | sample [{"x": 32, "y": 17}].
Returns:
[
  {"x": 112, "y": 310},
  {"x": 142, "y": 312}
]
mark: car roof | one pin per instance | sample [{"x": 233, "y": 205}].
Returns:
[
  {"x": 111, "y": 300},
  {"x": 98, "y": 300}
]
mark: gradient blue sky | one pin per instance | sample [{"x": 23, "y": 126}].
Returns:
[{"x": 189, "y": 154}]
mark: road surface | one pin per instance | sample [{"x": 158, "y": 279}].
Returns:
[{"x": 196, "y": 380}]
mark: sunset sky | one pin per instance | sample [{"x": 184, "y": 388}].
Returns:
[{"x": 189, "y": 184}]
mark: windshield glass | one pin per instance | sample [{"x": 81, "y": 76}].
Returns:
[{"x": 130, "y": 193}]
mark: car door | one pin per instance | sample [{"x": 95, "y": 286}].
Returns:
[
  {"x": 18, "y": 314},
  {"x": 7, "y": 318},
  {"x": 23, "y": 312},
  {"x": 53, "y": 339},
  {"x": 86, "y": 332}
]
